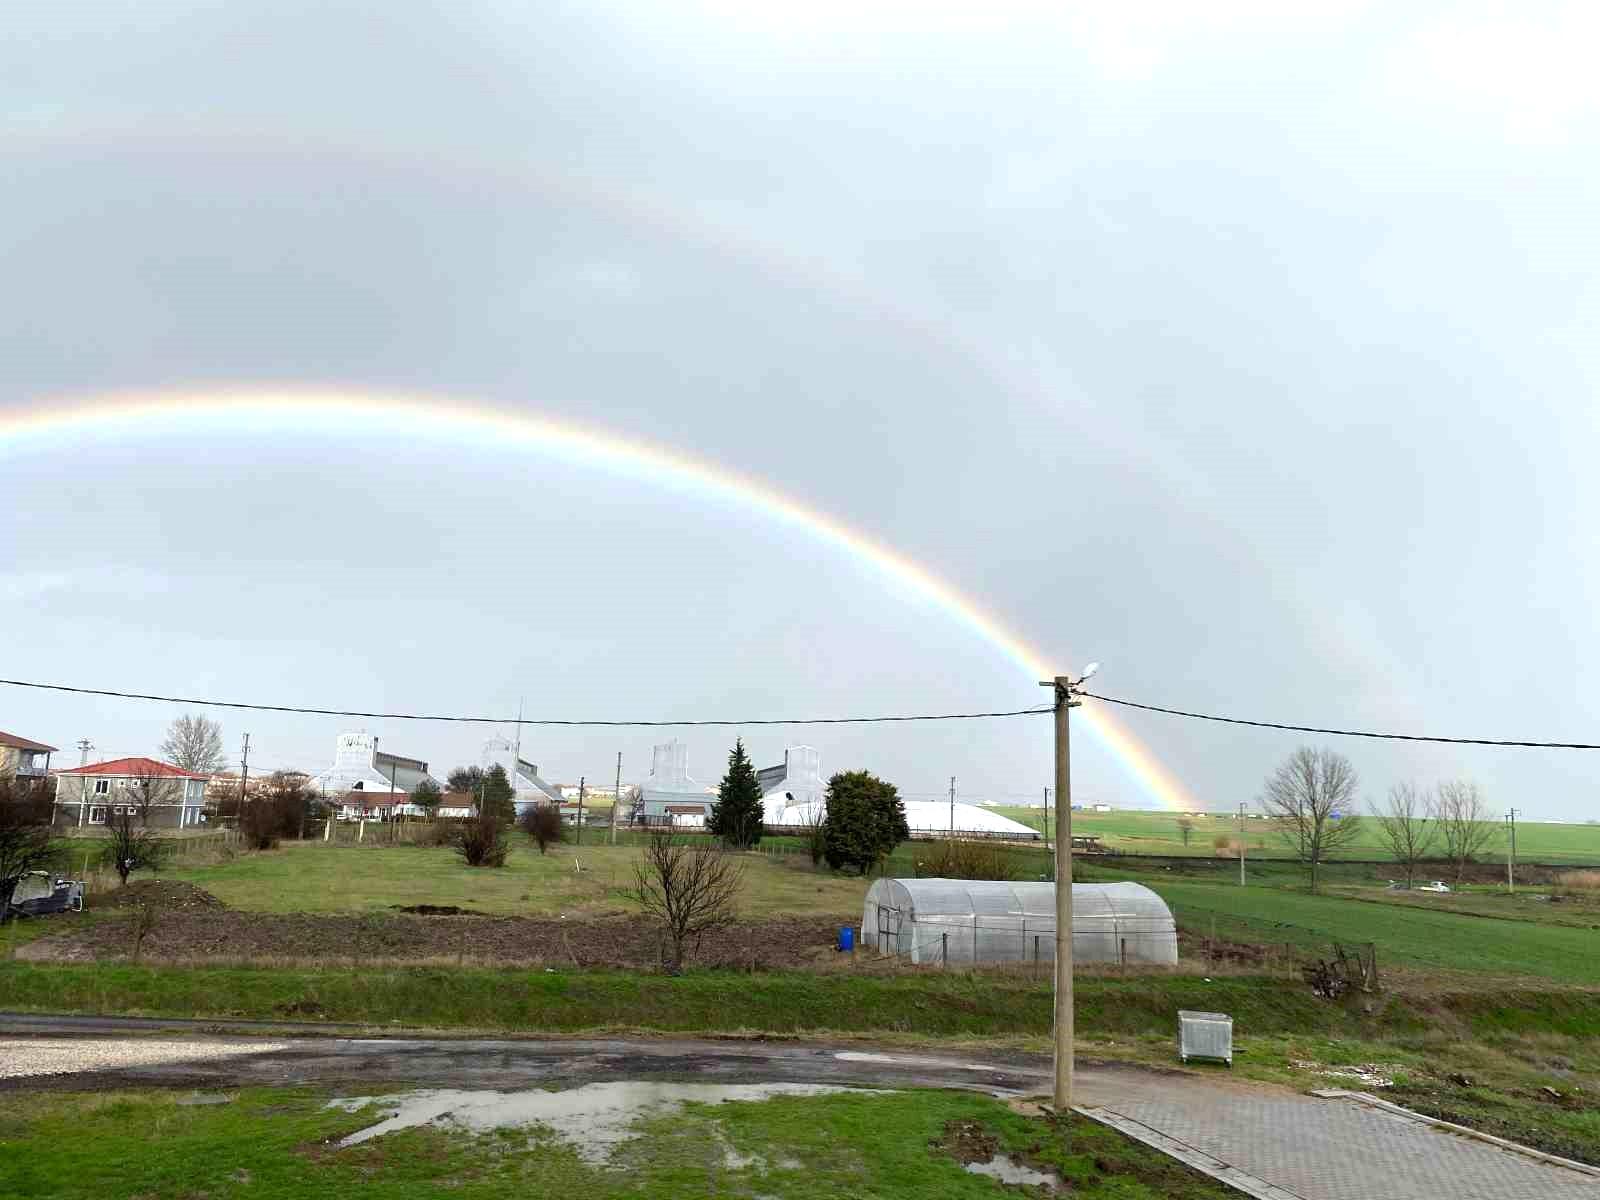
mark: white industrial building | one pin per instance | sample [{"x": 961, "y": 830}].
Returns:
[
  {"x": 796, "y": 780},
  {"x": 670, "y": 795},
  {"x": 360, "y": 767},
  {"x": 524, "y": 776}
]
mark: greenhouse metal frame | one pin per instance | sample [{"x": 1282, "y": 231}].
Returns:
[{"x": 997, "y": 921}]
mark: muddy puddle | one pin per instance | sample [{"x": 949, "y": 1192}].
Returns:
[
  {"x": 594, "y": 1118},
  {"x": 1008, "y": 1171}
]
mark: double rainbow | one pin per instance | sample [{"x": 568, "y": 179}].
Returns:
[{"x": 269, "y": 411}]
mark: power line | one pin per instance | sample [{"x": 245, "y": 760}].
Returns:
[
  {"x": 396, "y": 716},
  {"x": 1359, "y": 733}
]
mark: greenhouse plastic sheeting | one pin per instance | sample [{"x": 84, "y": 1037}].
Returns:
[{"x": 976, "y": 920}]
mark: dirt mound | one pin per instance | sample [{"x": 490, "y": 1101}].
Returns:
[
  {"x": 220, "y": 934},
  {"x": 164, "y": 894}
]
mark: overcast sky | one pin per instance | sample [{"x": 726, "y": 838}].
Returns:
[{"x": 1248, "y": 351}]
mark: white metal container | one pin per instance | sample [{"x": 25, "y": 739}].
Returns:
[{"x": 1205, "y": 1035}]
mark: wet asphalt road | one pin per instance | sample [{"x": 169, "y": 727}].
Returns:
[{"x": 505, "y": 1064}]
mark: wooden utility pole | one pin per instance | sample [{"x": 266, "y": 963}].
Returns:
[
  {"x": 1064, "y": 688},
  {"x": 1241, "y": 843},
  {"x": 952, "y": 806},
  {"x": 616, "y": 802},
  {"x": 244, "y": 777},
  {"x": 1062, "y": 1097},
  {"x": 1511, "y": 853},
  {"x": 1047, "y": 818},
  {"x": 579, "y": 840}
]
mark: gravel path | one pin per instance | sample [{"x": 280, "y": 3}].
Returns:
[{"x": 35, "y": 1056}]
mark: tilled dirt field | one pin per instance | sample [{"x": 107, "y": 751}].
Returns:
[{"x": 190, "y": 935}]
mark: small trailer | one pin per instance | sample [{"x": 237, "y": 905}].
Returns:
[{"x": 39, "y": 894}]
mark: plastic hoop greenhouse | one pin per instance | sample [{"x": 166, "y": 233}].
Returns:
[{"x": 981, "y": 920}]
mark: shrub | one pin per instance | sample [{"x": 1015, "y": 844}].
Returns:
[
  {"x": 542, "y": 823},
  {"x": 481, "y": 841},
  {"x": 965, "y": 860},
  {"x": 1581, "y": 882},
  {"x": 866, "y": 821},
  {"x": 278, "y": 811}
]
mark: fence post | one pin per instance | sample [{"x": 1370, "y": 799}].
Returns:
[{"x": 944, "y": 951}]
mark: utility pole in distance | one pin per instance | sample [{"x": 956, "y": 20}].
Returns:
[
  {"x": 616, "y": 802},
  {"x": 1047, "y": 818},
  {"x": 1064, "y": 687},
  {"x": 84, "y": 746},
  {"x": 1241, "y": 843},
  {"x": 581, "y": 784},
  {"x": 952, "y": 806},
  {"x": 244, "y": 776},
  {"x": 1511, "y": 853}
]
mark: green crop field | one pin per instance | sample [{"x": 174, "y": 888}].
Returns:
[
  {"x": 1405, "y": 928},
  {"x": 1159, "y": 833}
]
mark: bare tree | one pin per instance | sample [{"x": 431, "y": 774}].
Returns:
[
  {"x": 24, "y": 834},
  {"x": 1463, "y": 820},
  {"x": 1185, "y": 829},
  {"x": 1312, "y": 795},
  {"x": 195, "y": 744},
  {"x": 130, "y": 847},
  {"x": 689, "y": 889},
  {"x": 149, "y": 790},
  {"x": 1405, "y": 827}
]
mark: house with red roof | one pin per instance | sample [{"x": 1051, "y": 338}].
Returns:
[
  {"x": 23, "y": 757},
  {"x": 157, "y": 794}
]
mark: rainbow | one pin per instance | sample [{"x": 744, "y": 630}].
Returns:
[{"x": 282, "y": 410}]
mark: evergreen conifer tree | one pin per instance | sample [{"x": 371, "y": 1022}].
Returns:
[
  {"x": 497, "y": 798},
  {"x": 737, "y": 816}
]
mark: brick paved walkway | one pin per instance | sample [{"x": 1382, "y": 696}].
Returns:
[{"x": 1279, "y": 1145}]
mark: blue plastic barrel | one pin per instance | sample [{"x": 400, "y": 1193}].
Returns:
[{"x": 847, "y": 938}]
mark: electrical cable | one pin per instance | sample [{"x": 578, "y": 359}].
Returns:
[
  {"x": 1359, "y": 733},
  {"x": 395, "y": 716}
]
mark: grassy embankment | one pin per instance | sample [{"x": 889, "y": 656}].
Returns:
[{"x": 281, "y": 1145}]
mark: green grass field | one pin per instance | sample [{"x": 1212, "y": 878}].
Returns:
[
  {"x": 1466, "y": 931},
  {"x": 571, "y": 880},
  {"x": 280, "y": 1144},
  {"x": 1158, "y": 833}
]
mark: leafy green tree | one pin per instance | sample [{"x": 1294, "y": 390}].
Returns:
[
  {"x": 865, "y": 821},
  {"x": 738, "y": 814},
  {"x": 496, "y": 797},
  {"x": 465, "y": 780},
  {"x": 426, "y": 796}
]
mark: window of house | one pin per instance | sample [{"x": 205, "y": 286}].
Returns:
[
  {"x": 97, "y": 816},
  {"x": 102, "y": 786}
]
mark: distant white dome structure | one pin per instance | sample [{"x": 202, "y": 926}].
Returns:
[
  {"x": 924, "y": 817},
  {"x": 983, "y": 920}
]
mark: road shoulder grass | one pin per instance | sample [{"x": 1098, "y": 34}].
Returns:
[{"x": 271, "y": 1144}]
